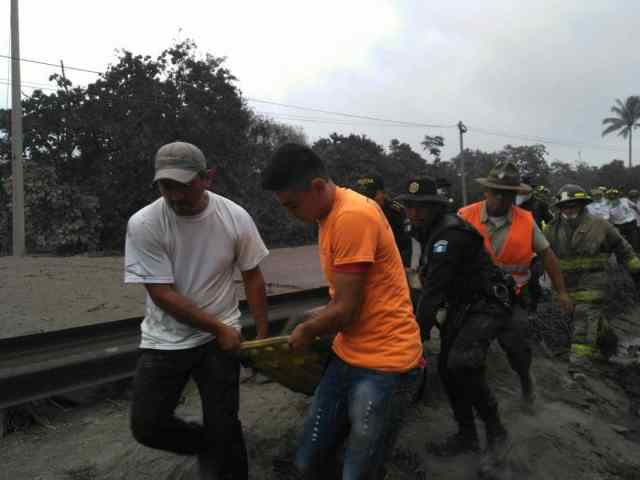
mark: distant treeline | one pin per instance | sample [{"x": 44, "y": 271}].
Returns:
[{"x": 89, "y": 153}]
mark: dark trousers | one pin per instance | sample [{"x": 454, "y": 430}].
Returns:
[
  {"x": 161, "y": 376},
  {"x": 462, "y": 364},
  {"x": 515, "y": 340},
  {"x": 629, "y": 231}
]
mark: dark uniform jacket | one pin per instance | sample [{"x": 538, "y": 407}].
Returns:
[
  {"x": 540, "y": 210},
  {"x": 456, "y": 270},
  {"x": 397, "y": 219}
]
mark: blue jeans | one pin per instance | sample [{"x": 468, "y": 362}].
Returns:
[{"x": 365, "y": 406}]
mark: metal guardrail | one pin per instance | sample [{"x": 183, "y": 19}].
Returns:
[{"x": 42, "y": 365}]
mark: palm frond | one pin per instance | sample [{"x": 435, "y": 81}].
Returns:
[
  {"x": 613, "y": 121},
  {"x": 615, "y": 125}
]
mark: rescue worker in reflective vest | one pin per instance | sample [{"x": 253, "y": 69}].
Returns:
[
  {"x": 583, "y": 243},
  {"x": 511, "y": 237},
  {"x": 453, "y": 252},
  {"x": 372, "y": 186}
]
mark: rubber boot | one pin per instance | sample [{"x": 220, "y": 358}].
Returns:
[
  {"x": 464, "y": 441},
  {"x": 497, "y": 448},
  {"x": 529, "y": 394}
]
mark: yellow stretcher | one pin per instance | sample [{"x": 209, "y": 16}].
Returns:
[{"x": 300, "y": 372}]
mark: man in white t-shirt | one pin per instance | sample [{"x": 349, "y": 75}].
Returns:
[
  {"x": 600, "y": 206},
  {"x": 623, "y": 217},
  {"x": 184, "y": 248}
]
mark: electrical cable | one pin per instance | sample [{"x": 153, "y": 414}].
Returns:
[{"x": 381, "y": 122}]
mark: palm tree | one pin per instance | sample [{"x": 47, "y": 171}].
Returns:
[{"x": 628, "y": 117}]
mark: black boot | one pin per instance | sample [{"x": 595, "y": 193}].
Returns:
[
  {"x": 497, "y": 447},
  {"x": 497, "y": 435},
  {"x": 465, "y": 441}
]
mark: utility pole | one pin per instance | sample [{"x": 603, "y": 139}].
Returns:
[
  {"x": 462, "y": 129},
  {"x": 16, "y": 137}
]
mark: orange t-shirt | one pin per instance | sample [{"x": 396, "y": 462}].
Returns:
[{"x": 386, "y": 335}]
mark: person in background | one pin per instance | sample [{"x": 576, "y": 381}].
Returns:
[
  {"x": 584, "y": 243},
  {"x": 444, "y": 190},
  {"x": 184, "y": 248},
  {"x": 634, "y": 203},
  {"x": 599, "y": 207},
  {"x": 623, "y": 216},
  {"x": 372, "y": 186},
  {"x": 512, "y": 237},
  {"x": 534, "y": 203},
  {"x": 376, "y": 365}
]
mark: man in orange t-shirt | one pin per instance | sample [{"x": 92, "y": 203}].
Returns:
[{"x": 377, "y": 352}]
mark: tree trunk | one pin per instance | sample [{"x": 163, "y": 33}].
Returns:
[{"x": 630, "y": 144}]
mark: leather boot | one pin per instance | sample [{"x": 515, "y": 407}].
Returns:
[{"x": 464, "y": 441}]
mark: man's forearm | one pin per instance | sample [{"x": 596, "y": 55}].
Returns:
[
  {"x": 552, "y": 267},
  {"x": 257, "y": 300},
  {"x": 327, "y": 320},
  {"x": 184, "y": 310}
]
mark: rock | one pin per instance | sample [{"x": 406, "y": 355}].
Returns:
[
  {"x": 620, "y": 429},
  {"x": 580, "y": 377}
]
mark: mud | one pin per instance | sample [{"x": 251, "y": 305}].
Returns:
[{"x": 586, "y": 425}]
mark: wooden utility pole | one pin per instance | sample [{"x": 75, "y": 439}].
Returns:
[
  {"x": 16, "y": 137},
  {"x": 463, "y": 174}
]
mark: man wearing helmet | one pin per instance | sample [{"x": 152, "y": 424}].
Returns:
[{"x": 583, "y": 244}]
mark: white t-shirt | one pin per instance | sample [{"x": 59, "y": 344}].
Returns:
[
  {"x": 599, "y": 209},
  {"x": 635, "y": 206},
  {"x": 198, "y": 255},
  {"x": 621, "y": 213}
]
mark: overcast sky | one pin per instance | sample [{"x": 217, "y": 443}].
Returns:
[{"x": 540, "y": 68}]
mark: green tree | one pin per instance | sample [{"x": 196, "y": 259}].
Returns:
[
  {"x": 627, "y": 118},
  {"x": 433, "y": 145},
  {"x": 405, "y": 163},
  {"x": 351, "y": 157},
  {"x": 530, "y": 159}
]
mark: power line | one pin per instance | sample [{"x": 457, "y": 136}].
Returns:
[
  {"x": 29, "y": 85},
  {"x": 40, "y": 62},
  {"x": 350, "y": 115},
  {"x": 325, "y": 120},
  {"x": 47, "y": 85},
  {"x": 381, "y": 122},
  {"x": 550, "y": 141}
]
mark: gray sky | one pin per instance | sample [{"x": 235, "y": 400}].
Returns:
[{"x": 538, "y": 68}]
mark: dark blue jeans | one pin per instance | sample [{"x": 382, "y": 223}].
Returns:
[
  {"x": 365, "y": 406},
  {"x": 160, "y": 378}
]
